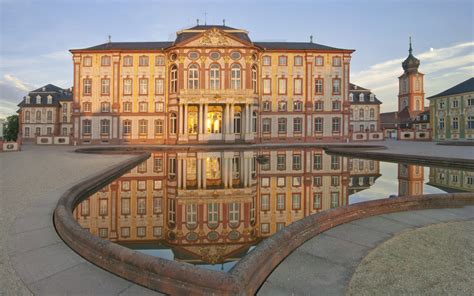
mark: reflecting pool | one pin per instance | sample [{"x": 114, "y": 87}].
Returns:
[{"x": 210, "y": 208}]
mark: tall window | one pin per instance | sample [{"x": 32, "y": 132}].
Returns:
[
  {"x": 455, "y": 123},
  {"x": 193, "y": 77},
  {"x": 143, "y": 107},
  {"x": 105, "y": 126},
  {"x": 105, "y": 107},
  {"x": 282, "y": 60},
  {"x": 335, "y": 162},
  {"x": 38, "y": 116},
  {"x": 470, "y": 122},
  {"x": 281, "y": 162},
  {"x": 127, "y": 86},
  {"x": 372, "y": 113},
  {"x": 334, "y": 200},
  {"x": 336, "y": 125},
  {"x": 143, "y": 126},
  {"x": 87, "y": 106},
  {"x": 282, "y": 86},
  {"x": 318, "y": 125},
  {"x": 318, "y": 105},
  {"x": 215, "y": 75},
  {"x": 361, "y": 114},
  {"x": 105, "y": 86},
  {"x": 319, "y": 61},
  {"x": 267, "y": 86},
  {"x": 336, "y": 61},
  {"x": 174, "y": 79},
  {"x": 336, "y": 86},
  {"x": 191, "y": 215},
  {"x": 212, "y": 214},
  {"x": 127, "y": 127},
  {"x": 87, "y": 61},
  {"x": 266, "y": 125},
  {"x": 318, "y": 87},
  {"x": 441, "y": 123},
  {"x": 281, "y": 198},
  {"x": 87, "y": 87},
  {"x": 234, "y": 214},
  {"x": 127, "y": 106},
  {"x": 298, "y": 86},
  {"x": 237, "y": 122},
  {"x": 86, "y": 127},
  {"x": 298, "y": 61},
  {"x": 128, "y": 61},
  {"x": 159, "y": 126},
  {"x": 336, "y": 105},
  {"x": 159, "y": 86},
  {"x": 159, "y": 60},
  {"x": 235, "y": 76},
  {"x": 282, "y": 125},
  {"x": 254, "y": 122},
  {"x": 296, "y": 162},
  {"x": 266, "y": 60},
  {"x": 143, "y": 86},
  {"x": 265, "y": 202},
  {"x": 317, "y": 162},
  {"x": 254, "y": 79},
  {"x": 317, "y": 200},
  {"x": 173, "y": 122},
  {"x": 296, "y": 201},
  {"x": 49, "y": 116},
  {"x": 297, "y": 125},
  {"x": 27, "y": 116}
]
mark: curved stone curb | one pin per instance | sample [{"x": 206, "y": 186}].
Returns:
[
  {"x": 460, "y": 163},
  {"x": 249, "y": 273}
]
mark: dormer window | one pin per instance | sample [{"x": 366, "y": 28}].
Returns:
[
  {"x": 361, "y": 97},
  {"x": 38, "y": 99},
  {"x": 28, "y": 99},
  {"x": 372, "y": 97},
  {"x": 351, "y": 97},
  {"x": 50, "y": 99}
]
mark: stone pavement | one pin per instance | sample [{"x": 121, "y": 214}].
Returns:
[{"x": 325, "y": 264}]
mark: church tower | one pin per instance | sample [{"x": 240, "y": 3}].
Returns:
[
  {"x": 410, "y": 179},
  {"x": 410, "y": 93}
]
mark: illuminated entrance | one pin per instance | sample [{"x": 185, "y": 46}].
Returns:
[{"x": 214, "y": 122}]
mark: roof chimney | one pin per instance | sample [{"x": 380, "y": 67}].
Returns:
[
  {"x": 110, "y": 39},
  {"x": 311, "y": 39},
  {"x": 223, "y": 22},
  {"x": 197, "y": 22}
]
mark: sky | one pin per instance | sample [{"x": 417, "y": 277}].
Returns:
[{"x": 35, "y": 36}]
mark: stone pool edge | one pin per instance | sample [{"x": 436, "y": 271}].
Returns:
[{"x": 249, "y": 273}]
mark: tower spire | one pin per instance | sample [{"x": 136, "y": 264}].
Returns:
[{"x": 410, "y": 49}]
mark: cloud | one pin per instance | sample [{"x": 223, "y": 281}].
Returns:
[
  {"x": 12, "y": 89},
  {"x": 443, "y": 68}
]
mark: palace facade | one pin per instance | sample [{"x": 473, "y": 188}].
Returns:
[{"x": 212, "y": 83}]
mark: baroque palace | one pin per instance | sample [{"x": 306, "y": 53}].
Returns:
[{"x": 212, "y": 83}]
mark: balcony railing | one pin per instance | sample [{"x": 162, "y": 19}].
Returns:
[{"x": 218, "y": 93}]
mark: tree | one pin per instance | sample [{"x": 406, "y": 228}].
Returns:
[{"x": 11, "y": 128}]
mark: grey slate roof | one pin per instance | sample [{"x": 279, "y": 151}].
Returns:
[
  {"x": 295, "y": 46},
  {"x": 357, "y": 90},
  {"x": 465, "y": 86},
  {"x": 132, "y": 45},
  {"x": 58, "y": 94}
]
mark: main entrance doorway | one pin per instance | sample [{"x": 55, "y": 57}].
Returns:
[{"x": 214, "y": 122}]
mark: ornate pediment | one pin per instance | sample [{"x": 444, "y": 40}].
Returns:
[{"x": 213, "y": 37}]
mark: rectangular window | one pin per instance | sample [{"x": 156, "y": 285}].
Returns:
[
  {"x": 125, "y": 231},
  {"x": 265, "y": 182},
  {"x": 267, "y": 86},
  {"x": 297, "y": 181},
  {"x": 317, "y": 181},
  {"x": 103, "y": 232},
  {"x": 298, "y": 86},
  {"x": 455, "y": 104},
  {"x": 282, "y": 60},
  {"x": 282, "y": 86},
  {"x": 128, "y": 61},
  {"x": 336, "y": 126},
  {"x": 265, "y": 228},
  {"x": 336, "y": 86},
  {"x": 319, "y": 61},
  {"x": 298, "y": 61},
  {"x": 212, "y": 214},
  {"x": 455, "y": 123},
  {"x": 157, "y": 205},
  {"x": 470, "y": 102},
  {"x": 267, "y": 106},
  {"x": 336, "y": 61},
  {"x": 281, "y": 162},
  {"x": 157, "y": 231},
  {"x": 318, "y": 105},
  {"x": 104, "y": 127},
  {"x": 143, "y": 126},
  {"x": 127, "y": 106},
  {"x": 159, "y": 61},
  {"x": 296, "y": 201},
  {"x": 85, "y": 207},
  {"x": 127, "y": 127},
  {"x": 470, "y": 122},
  {"x": 141, "y": 206},
  {"x": 143, "y": 107},
  {"x": 297, "y": 162},
  {"x": 265, "y": 202},
  {"x": 105, "y": 86},
  {"x": 317, "y": 162},
  {"x": 127, "y": 86},
  {"x": 335, "y": 163},
  {"x": 87, "y": 61},
  {"x": 334, "y": 181},
  {"x": 282, "y": 125},
  {"x": 441, "y": 123},
  {"x": 267, "y": 60},
  {"x": 143, "y": 61},
  {"x": 282, "y": 106},
  {"x": 319, "y": 86},
  {"x": 159, "y": 86},
  {"x": 318, "y": 125},
  {"x": 317, "y": 200},
  {"x": 158, "y": 164},
  {"x": 158, "y": 126},
  {"x": 334, "y": 200},
  {"x": 105, "y": 61},
  {"x": 281, "y": 198},
  {"x": 297, "y": 125},
  {"x": 87, "y": 87},
  {"x": 103, "y": 207},
  {"x": 143, "y": 83},
  {"x": 281, "y": 181},
  {"x": 86, "y": 127},
  {"x": 141, "y": 231},
  {"x": 267, "y": 125},
  {"x": 336, "y": 105},
  {"x": 125, "y": 206}
]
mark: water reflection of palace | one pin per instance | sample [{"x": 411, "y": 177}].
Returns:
[
  {"x": 452, "y": 180},
  {"x": 211, "y": 207}
]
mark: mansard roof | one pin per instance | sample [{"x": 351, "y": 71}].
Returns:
[
  {"x": 296, "y": 46},
  {"x": 356, "y": 91},
  {"x": 463, "y": 87},
  {"x": 57, "y": 94},
  {"x": 160, "y": 45}
]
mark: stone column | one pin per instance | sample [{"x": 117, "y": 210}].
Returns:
[
  {"x": 200, "y": 121},
  {"x": 199, "y": 172},
  {"x": 180, "y": 120},
  {"x": 232, "y": 108},
  {"x": 231, "y": 169},
  {"x": 179, "y": 172},
  {"x": 204, "y": 173},
  {"x": 227, "y": 117},
  {"x": 225, "y": 171},
  {"x": 205, "y": 118},
  {"x": 184, "y": 173}
]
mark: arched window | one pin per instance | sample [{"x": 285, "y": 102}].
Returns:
[
  {"x": 361, "y": 114},
  {"x": 27, "y": 116},
  {"x": 254, "y": 79},
  {"x": 174, "y": 79},
  {"x": 361, "y": 97},
  {"x": 214, "y": 77},
  {"x": 173, "y": 123},
  {"x": 418, "y": 105},
  {"x": 38, "y": 115},
  {"x": 193, "y": 77},
  {"x": 191, "y": 216},
  {"x": 235, "y": 76},
  {"x": 234, "y": 214}
]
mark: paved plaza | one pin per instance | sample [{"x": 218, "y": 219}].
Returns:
[{"x": 34, "y": 260}]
